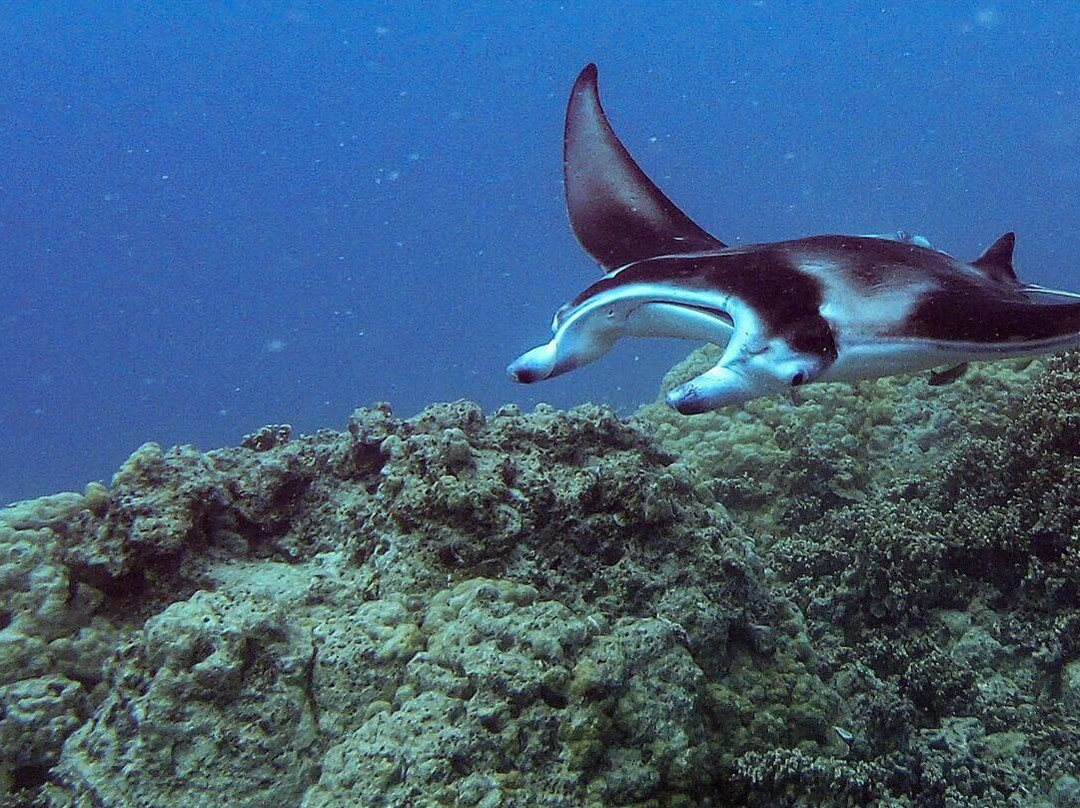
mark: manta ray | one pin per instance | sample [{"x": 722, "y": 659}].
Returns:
[{"x": 789, "y": 313}]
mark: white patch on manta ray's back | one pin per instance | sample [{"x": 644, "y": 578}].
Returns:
[
  {"x": 858, "y": 312},
  {"x": 861, "y": 315}
]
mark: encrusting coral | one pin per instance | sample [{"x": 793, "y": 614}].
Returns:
[
  {"x": 947, "y": 605},
  {"x": 868, "y": 595},
  {"x": 779, "y": 462},
  {"x": 272, "y": 623}
]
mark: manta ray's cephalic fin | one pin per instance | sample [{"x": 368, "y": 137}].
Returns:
[
  {"x": 996, "y": 262},
  {"x": 619, "y": 216}
]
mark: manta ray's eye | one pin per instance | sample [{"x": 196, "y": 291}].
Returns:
[
  {"x": 798, "y": 379},
  {"x": 611, "y": 314}
]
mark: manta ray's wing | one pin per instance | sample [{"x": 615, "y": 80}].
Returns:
[{"x": 619, "y": 216}]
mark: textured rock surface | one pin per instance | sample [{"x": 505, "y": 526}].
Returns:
[
  {"x": 780, "y": 461},
  {"x": 53, "y": 646},
  {"x": 480, "y": 610},
  {"x": 944, "y": 602},
  {"x": 210, "y": 705},
  {"x": 868, "y": 598}
]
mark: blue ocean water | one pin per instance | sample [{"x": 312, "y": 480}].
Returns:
[{"x": 216, "y": 216}]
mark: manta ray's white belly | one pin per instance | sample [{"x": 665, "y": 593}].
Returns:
[{"x": 871, "y": 359}]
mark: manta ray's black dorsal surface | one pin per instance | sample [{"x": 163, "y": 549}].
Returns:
[
  {"x": 829, "y": 308},
  {"x": 618, "y": 214}
]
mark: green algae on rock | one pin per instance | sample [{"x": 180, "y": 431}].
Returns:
[{"x": 212, "y": 698}]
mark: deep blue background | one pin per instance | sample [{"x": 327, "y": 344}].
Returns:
[{"x": 215, "y": 216}]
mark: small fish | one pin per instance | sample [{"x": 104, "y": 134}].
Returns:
[{"x": 789, "y": 313}]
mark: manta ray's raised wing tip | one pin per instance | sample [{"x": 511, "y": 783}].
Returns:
[
  {"x": 617, "y": 213},
  {"x": 587, "y": 82}
]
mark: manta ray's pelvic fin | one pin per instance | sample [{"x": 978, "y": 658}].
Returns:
[
  {"x": 996, "y": 262},
  {"x": 619, "y": 216},
  {"x": 948, "y": 375}
]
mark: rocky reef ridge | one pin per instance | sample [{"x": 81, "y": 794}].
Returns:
[{"x": 868, "y": 596}]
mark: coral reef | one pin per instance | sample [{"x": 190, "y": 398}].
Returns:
[
  {"x": 452, "y": 608},
  {"x": 780, "y": 461},
  {"x": 866, "y": 596},
  {"x": 947, "y": 606}
]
